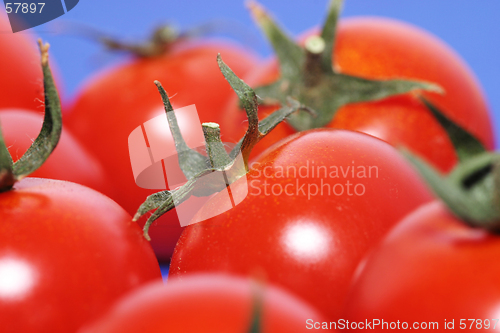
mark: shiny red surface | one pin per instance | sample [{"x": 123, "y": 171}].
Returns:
[
  {"x": 432, "y": 267},
  {"x": 21, "y": 79},
  {"x": 310, "y": 246},
  {"x": 66, "y": 254}
]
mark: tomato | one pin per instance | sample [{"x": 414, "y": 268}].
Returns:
[
  {"x": 431, "y": 268},
  {"x": 377, "y": 48},
  {"x": 116, "y": 102},
  {"x": 21, "y": 82},
  {"x": 205, "y": 303},
  {"x": 316, "y": 203},
  {"x": 66, "y": 254},
  {"x": 69, "y": 161}
]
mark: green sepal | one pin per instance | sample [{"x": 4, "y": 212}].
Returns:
[
  {"x": 46, "y": 140},
  {"x": 190, "y": 161},
  {"x": 470, "y": 191},
  {"x": 328, "y": 34},
  {"x": 267, "y": 124},
  {"x": 7, "y": 178},
  {"x": 290, "y": 55},
  {"x": 165, "y": 201},
  {"x": 466, "y": 145}
]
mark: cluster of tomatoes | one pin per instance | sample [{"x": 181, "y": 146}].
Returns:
[{"x": 337, "y": 226}]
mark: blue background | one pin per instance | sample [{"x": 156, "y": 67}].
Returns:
[{"x": 470, "y": 27}]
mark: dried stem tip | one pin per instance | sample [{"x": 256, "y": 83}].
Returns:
[
  {"x": 44, "y": 50},
  {"x": 315, "y": 44},
  {"x": 256, "y": 10}
]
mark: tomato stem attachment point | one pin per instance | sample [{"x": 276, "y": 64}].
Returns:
[{"x": 308, "y": 76}]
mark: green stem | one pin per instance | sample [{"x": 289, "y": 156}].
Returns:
[
  {"x": 313, "y": 67},
  {"x": 215, "y": 148}
]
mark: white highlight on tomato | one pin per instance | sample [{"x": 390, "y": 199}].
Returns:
[
  {"x": 306, "y": 240},
  {"x": 16, "y": 278}
]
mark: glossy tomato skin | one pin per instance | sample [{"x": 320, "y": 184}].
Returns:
[
  {"x": 208, "y": 303},
  {"x": 69, "y": 161},
  {"x": 21, "y": 80},
  {"x": 379, "y": 48},
  {"x": 310, "y": 246},
  {"x": 431, "y": 267},
  {"x": 116, "y": 102},
  {"x": 66, "y": 254}
]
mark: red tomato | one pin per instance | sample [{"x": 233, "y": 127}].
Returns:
[
  {"x": 309, "y": 229},
  {"x": 21, "y": 80},
  {"x": 385, "y": 49},
  {"x": 66, "y": 254},
  {"x": 112, "y": 105},
  {"x": 431, "y": 268},
  {"x": 69, "y": 161},
  {"x": 205, "y": 303}
]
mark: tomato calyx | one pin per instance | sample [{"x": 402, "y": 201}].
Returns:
[
  {"x": 47, "y": 139},
  {"x": 232, "y": 165},
  {"x": 307, "y": 74},
  {"x": 472, "y": 189},
  {"x": 157, "y": 45}
]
